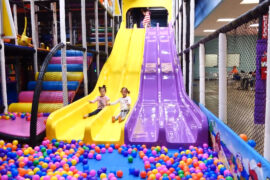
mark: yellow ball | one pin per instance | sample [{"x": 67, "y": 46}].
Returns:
[
  {"x": 70, "y": 173},
  {"x": 36, "y": 170},
  {"x": 73, "y": 162},
  {"x": 76, "y": 175},
  {"x": 2, "y": 142},
  {"x": 44, "y": 165},
  {"x": 103, "y": 175},
  {"x": 220, "y": 166},
  {"x": 158, "y": 165},
  {"x": 53, "y": 178},
  {"x": 15, "y": 142},
  {"x": 155, "y": 171},
  {"x": 26, "y": 152},
  {"x": 50, "y": 173},
  {"x": 31, "y": 173},
  {"x": 152, "y": 177}
]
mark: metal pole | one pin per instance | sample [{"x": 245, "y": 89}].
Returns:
[
  {"x": 36, "y": 25},
  {"x": 222, "y": 49},
  {"x": 34, "y": 39},
  {"x": 3, "y": 63},
  {"x": 84, "y": 44},
  {"x": 15, "y": 21},
  {"x": 267, "y": 108},
  {"x": 70, "y": 27},
  {"x": 63, "y": 51},
  {"x": 184, "y": 42},
  {"x": 96, "y": 33},
  {"x": 202, "y": 73},
  {"x": 191, "y": 42},
  {"x": 55, "y": 34},
  {"x": 106, "y": 26}
]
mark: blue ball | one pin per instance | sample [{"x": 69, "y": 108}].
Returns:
[
  {"x": 136, "y": 172},
  {"x": 252, "y": 143},
  {"x": 131, "y": 171}
]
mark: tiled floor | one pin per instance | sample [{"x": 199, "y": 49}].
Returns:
[{"x": 240, "y": 109}]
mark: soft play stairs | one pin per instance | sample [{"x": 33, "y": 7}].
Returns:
[{"x": 51, "y": 97}]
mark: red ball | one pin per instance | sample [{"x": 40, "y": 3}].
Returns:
[
  {"x": 143, "y": 174},
  {"x": 119, "y": 174}
]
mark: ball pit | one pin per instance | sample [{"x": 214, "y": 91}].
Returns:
[
  {"x": 26, "y": 116},
  {"x": 59, "y": 160}
]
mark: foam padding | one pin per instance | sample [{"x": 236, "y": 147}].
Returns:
[
  {"x": 54, "y": 85},
  {"x": 70, "y": 60},
  {"x": 46, "y": 96},
  {"x": 72, "y": 53},
  {"x": 27, "y": 107},
  {"x": 70, "y": 68},
  {"x": 57, "y": 76}
]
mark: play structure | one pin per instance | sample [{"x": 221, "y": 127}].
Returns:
[{"x": 167, "y": 133}]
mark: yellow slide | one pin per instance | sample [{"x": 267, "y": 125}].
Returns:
[{"x": 122, "y": 68}]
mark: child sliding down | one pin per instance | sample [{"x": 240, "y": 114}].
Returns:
[
  {"x": 124, "y": 105},
  {"x": 102, "y": 101}
]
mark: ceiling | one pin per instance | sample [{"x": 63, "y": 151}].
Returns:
[{"x": 226, "y": 9}]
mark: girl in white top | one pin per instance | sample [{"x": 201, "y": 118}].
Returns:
[{"x": 125, "y": 102}]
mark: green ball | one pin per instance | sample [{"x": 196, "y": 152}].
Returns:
[
  {"x": 35, "y": 162},
  {"x": 165, "y": 175},
  {"x": 229, "y": 178},
  {"x": 181, "y": 175},
  {"x": 43, "y": 149},
  {"x": 56, "y": 144},
  {"x": 180, "y": 172},
  {"x": 130, "y": 159},
  {"x": 9, "y": 175}
]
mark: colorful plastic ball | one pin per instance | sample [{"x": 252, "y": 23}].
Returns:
[
  {"x": 102, "y": 175},
  {"x": 244, "y": 137},
  {"x": 92, "y": 173},
  {"x": 119, "y": 174},
  {"x": 110, "y": 149},
  {"x": 143, "y": 174},
  {"x": 252, "y": 143},
  {"x": 136, "y": 172},
  {"x": 229, "y": 178},
  {"x": 130, "y": 159},
  {"x": 103, "y": 150},
  {"x": 98, "y": 157}
]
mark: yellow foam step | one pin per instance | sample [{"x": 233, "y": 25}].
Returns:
[
  {"x": 27, "y": 107},
  {"x": 57, "y": 76}
]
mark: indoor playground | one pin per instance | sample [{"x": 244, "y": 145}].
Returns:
[{"x": 134, "y": 89}]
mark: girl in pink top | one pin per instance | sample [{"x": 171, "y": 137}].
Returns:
[{"x": 102, "y": 102}]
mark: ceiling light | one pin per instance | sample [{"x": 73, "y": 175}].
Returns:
[
  {"x": 209, "y": 30},
  {"x": 254, "y": 25},
  {"x": 225, "y": 19},
  {"x": 250, "y": 2}
]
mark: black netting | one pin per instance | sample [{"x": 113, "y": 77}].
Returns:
[{"x": 241, "y": 68}]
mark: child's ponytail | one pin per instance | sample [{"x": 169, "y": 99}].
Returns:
[
  {"x": 125, "y": 89},
  {"x": 102, "y": 87}
]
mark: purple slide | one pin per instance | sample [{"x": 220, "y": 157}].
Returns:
[{"x": 164, "y": 114}]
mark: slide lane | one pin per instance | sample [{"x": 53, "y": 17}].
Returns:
[
  {"x": 121, "y": 68},
  {"x": 164, "y": 114}
]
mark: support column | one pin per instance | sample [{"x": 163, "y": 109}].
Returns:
[
  {"x": 36, "y": 25},
  {"x": 267, "y": 108},
  {"x": 55, "y": 34},
  {"x": 222, "y": 89},
  {"x": 63, "y": 50},
  {"x": 15, "y": 21},
  {"x": 202, "y": 73},
  {"x": 3, "y": 64},
  {"x": 34, "y": 38},
  {"x": 191, "y": 42},
  {"x": 84, "y": 45},
  {"x": 184, "y": 42},
  {"x": 106, "y": 27},
  {"x": 96, "y": 33}
]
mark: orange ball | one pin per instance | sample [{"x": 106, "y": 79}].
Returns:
[
  {"x": 97, "y": 149},
  {"x": 143, "y": 174},
  {"x": 220, "y": 177},
  {"x": 147, "y": 166},
  {"x": 119, "y": 174},
  {"x": 244, "y": 137},
  {"x": 116, "y": 146},
  {"x": 119, "y": 150},
  {"x": 107, "y": 146},
  {"x": 21, "y": 164}
]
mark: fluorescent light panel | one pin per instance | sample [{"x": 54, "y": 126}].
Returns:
[
  {"x": 225, "y": 19},
  {"x": 209, "y": 30},
  {"x": 254, "y": 25},
  {"x": 250, "y": 2}
]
